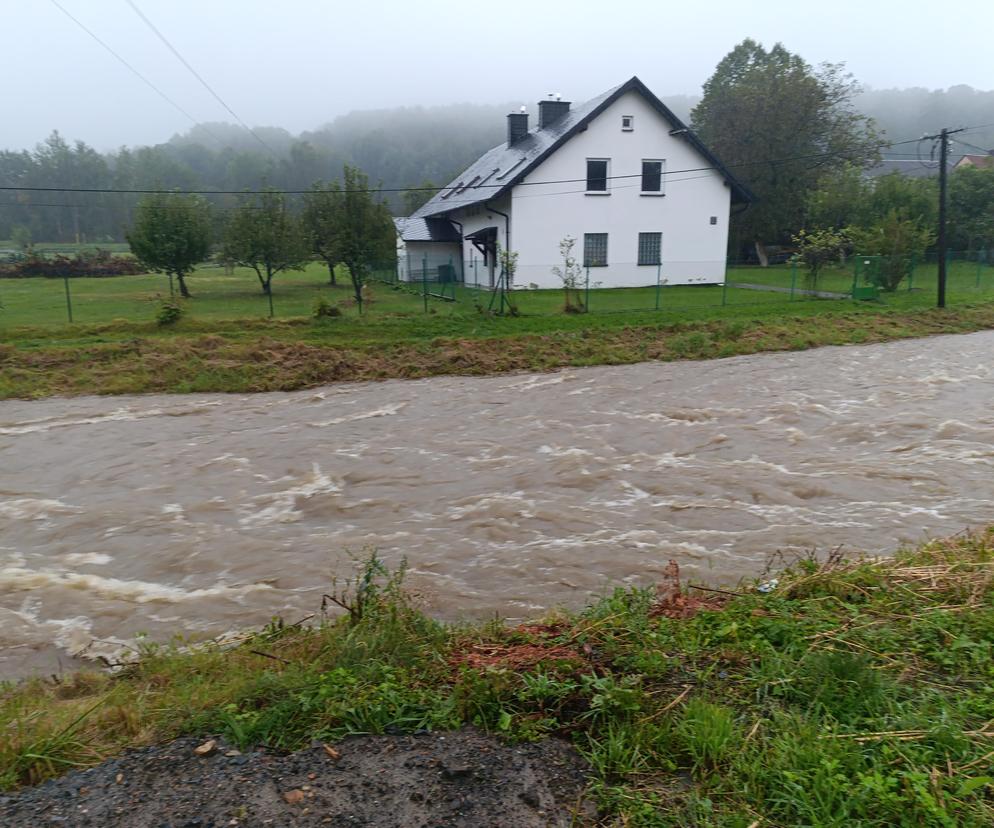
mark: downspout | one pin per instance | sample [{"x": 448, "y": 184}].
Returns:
[
  {"x": 462, "y": 264},
  {"x": 507, "y": 223}
]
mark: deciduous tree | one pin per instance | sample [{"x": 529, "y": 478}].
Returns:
[
  {"x": 264, "y": 235},
  {"x": 781, "y": 125},
  {"x": 171, "y": 234}
]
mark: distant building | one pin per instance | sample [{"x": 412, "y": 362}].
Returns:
[
  {"x": 982, "y": 162},
  {"x": 621, "y": 174}
]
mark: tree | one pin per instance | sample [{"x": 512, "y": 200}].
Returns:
[
  {"x": 355, "y": 224},
  {"x": 570, "y": 275},
  {"x": 899, "y": 241},
  {"x": 264, "y": 235},
  {"x": 818, "y": 248},
  {"x": 416, "y": 197},
  {"x": 971, "y": 208},
  {"x": 322, "y": 211},
  {"x": 781, "y": 125},
  {"x": 171, "y": 234}
]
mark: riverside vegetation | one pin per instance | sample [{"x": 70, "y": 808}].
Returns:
[
  {"x": 221, "y": 343},
  {"x": 840, "y": 693}
]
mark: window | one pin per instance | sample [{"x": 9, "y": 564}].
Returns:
[
  {"x": 650, "y": 248},
  {"x": 714, "y": 219},
  {"x": 627, "y": 123},
  {"x": 652, "y": 176},
  {"x": 596, "y": 175},
  {"x": 595, "y": 249}
]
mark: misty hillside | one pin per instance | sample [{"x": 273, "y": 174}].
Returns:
[{"x": 398, "y": 148}]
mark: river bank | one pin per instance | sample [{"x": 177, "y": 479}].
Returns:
[
  {"x": 251, "y": 355},
  {"x": 832, "y": 693}
]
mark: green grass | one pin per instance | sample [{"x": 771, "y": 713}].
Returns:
[
  {"x": 226, "y": 342},
  {"x": 853, "y": 693}
]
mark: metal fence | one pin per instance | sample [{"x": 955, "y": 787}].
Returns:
[
  {"x": 444, "y": 285},
  {"x": 630, "y": 286}
]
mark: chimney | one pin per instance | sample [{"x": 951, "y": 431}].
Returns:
[
  {"x": 517, "y": 126},
  {"x": 551, "y": 110}
]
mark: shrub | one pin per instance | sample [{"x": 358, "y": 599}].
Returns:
[
  {"x": 169, "y": 313},
  {"x": 84, "y": 263},
  {"x": 323, "y": 309}
]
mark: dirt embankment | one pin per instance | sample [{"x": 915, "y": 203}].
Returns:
[{"x": 460, "y": 778}]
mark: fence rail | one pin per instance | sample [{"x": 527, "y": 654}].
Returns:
[{"x": 443, "y": 285}]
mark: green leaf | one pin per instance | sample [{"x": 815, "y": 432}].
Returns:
[{"x": 968, "y": 786}]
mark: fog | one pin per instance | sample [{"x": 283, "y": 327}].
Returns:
[{"x": 300, "y": 63}]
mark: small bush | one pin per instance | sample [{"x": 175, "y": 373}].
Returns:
[
  {"x": 169, "y": 313},
  {"x": 84, "y": 263},
  {"x": 323, "y": 309}
]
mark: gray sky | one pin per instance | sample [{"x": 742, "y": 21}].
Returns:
[{"x": 299, "y": 63}]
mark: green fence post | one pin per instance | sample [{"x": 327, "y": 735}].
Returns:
[
  {"x": 659, "y": 284},
  {"x": 269, "y": 295},
  {"x": 172, "y": 292},
  {"x": 452, "y": 278},
  {"x": 911, "y": 276},
  {"x": 724, "y": 289},
  {"x": 978, "y": 270},
  {"x": 793, "y": 279},
  {"x": 68, "y": 298},
  {"x": 586, "y": 296},
  {"x": 424, "y": 281}
]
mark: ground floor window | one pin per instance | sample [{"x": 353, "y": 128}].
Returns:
[
  {"x": 650, "y": 248},
  {"x": 595, "y": 249}
]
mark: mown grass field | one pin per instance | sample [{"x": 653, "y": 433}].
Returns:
[
  {"x": 840, "y": 694},
  {"x": 226, "y": 342},
  {"x": 41, "y": 302}
]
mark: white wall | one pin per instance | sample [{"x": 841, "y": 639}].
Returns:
[
  {"x": 476, "y": 218},
  {"x": 693, "y": 250},
  {"x": 417, "y": 255}
]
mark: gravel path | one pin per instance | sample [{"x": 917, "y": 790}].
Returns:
[{"x": 461, "y": 778}]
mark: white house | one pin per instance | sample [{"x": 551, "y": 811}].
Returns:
[{"x": 621, "y": 174}]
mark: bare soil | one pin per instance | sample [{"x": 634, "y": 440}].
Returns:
[{"x": 460, "y": 778}]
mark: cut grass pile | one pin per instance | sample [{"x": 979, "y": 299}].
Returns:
[
  {"x": 846, "y": 693},
  {"x": 255, "y": 355}
]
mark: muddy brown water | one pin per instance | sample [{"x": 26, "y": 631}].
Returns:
[{"x": 202, "y": 513}]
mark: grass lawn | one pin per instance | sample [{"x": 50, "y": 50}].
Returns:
[
  {"x": 842, "y": 694},
  {"x": 226, "y": 342}
]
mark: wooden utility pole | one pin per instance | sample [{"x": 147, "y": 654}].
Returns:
[{"x": 943, "y": 138}]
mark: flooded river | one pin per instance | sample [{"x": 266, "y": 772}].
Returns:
[{"x": 203, "y": 513}]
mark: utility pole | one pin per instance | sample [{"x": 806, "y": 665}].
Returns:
[{"x": 943, "y": 138}]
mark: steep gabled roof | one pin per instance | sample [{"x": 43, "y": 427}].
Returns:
[
  {"x": 499, "y": 169},
  {"x": 426, "y": 230}
]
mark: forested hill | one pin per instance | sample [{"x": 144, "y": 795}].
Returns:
[{"x": 399, "y": 148}]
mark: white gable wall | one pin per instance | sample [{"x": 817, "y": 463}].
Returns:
[{"x": 693, "y": 250}]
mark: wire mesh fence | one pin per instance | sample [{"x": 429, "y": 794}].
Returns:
[{"x": 443, "y": 285}]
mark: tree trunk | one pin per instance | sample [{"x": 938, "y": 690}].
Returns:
[
  {"x": 184, "y": 291},
  {"x": 761, "y": 253},
  {"x": 262, "y": 280},
  {"x": 331, "y": 274},
  {"x": 356, "y": 275}
]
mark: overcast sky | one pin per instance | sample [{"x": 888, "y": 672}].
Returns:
[{"x": 299, "y": 63}]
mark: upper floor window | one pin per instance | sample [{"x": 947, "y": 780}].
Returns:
[
  {"x": 627, "y": 123},
  {"x": 597, "y": 175},
  {"x": 652, "y": 176}
]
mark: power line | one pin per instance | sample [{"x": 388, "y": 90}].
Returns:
[
  {"x": 132, "y": 69},
  {"x": 435, "y": 189},
  {"x": 197, "y": 75},
  {"x": 972, "y": 146}
]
